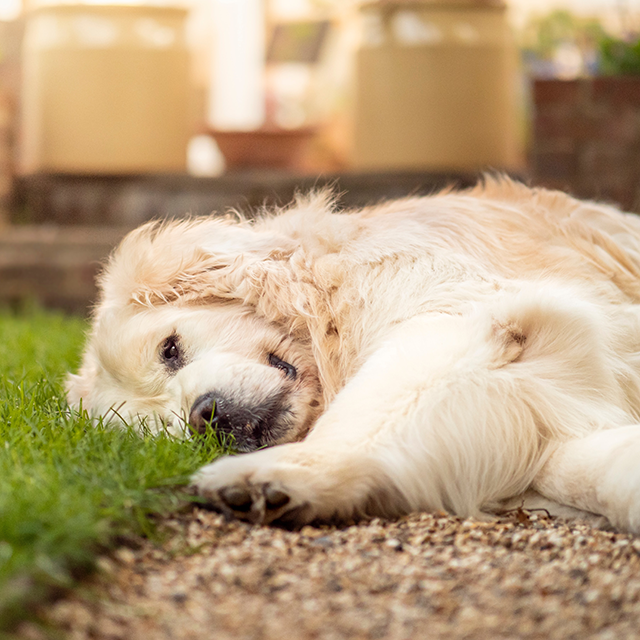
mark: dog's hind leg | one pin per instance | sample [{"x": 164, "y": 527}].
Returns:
[
  {"x": 599, "y": 473},
  {"x": 431, "y": 421}
]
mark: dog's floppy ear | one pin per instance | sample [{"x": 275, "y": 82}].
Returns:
[
  {"x": 197, "y": 259},
  {"x": 263, "y": 265}
]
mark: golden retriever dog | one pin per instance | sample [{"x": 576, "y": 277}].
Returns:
[{"x": 452, "y": 352}]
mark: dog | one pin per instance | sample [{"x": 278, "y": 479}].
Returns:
[{"x": 451, "y": 352}]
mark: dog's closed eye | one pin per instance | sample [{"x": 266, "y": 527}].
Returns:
[{"x": 288, "y": 369}]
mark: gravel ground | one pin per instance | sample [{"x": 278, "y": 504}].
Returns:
[{"x": 424, "y": 576}]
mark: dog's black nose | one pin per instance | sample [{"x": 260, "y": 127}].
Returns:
[{"x": 204, "y": 411}]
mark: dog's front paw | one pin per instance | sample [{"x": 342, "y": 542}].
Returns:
[
  {"x": 263, "y": 504},
  {"x": 242, "y": 488}
]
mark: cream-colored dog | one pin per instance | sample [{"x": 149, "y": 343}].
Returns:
[{"x": 448, "y": 352}]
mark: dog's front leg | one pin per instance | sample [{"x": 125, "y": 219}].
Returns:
[
  {"x": 430, "y": 422},
  {"x": 599, "y": 473}
]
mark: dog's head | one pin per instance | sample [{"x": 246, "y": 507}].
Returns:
[{"x": 197, "y": 325}]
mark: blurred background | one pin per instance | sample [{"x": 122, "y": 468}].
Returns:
[{"x": 113, "y": 113}]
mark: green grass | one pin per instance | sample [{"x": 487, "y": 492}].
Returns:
[{"x": 68, "y": 488}]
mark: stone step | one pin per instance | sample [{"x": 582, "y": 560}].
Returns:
[
  {"x": 53, "y": 266},
  {"x": 131, "y": 200}
]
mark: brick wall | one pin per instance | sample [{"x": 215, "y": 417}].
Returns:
[{"x": 587, "y": 138}]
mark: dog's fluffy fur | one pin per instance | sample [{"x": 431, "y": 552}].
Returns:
[{"x": 447, "y": 352}]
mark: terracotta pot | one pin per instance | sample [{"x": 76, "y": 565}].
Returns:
[{"x": 264, "y": 148}]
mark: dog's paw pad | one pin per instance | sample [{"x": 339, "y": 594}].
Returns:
[
  {"x": 275, "y": 498},
  {"x": 237, "y": 498},
  {"x": 293, "y": 518}
]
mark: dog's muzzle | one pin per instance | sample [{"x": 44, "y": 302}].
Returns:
[{"x": 251, "y": 427}]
